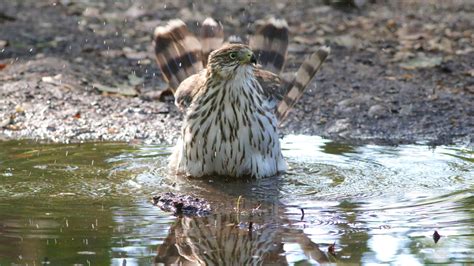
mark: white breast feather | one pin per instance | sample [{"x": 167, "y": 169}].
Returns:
[{"x": 220, "y": 153}]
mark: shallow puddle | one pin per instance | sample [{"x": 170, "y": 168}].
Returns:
[{"x": 90, "y": 204}]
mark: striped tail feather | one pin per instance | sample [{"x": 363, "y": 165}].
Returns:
[
  {"x": 178, "y": 52},
  {"x": 235, "y": 39},
  {"x": 270, "y": 44},
  {"x": 212, "y": 37},
  {"x": 302, "y": 78}
]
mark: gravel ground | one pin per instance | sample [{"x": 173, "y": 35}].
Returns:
[{"x": 399, "y": 72}]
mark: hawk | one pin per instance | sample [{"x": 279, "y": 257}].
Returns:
[{"x": 232, "y": 104}]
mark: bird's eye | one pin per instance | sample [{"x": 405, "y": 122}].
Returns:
[{"x": 232, "y": 55}]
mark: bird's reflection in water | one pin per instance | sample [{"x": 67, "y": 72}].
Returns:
[{"x": 233, "y": 239}]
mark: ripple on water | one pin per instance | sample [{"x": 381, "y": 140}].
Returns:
[{"x": 377, "y": 204}]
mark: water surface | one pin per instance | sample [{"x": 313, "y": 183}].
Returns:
[{"x": 90, "y": 204}]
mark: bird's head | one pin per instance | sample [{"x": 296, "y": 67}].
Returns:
[{"x": 229, "y": 58}]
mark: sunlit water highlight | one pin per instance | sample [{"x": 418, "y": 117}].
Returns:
[{"x": 90, "y": 204}]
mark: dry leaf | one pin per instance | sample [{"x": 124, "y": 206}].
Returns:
[
  {"x": 123, "y": 90},
  {"x": 348, "y": 41},
  {"x": 53, "y": 80},
  {"x": 112, "y": 53},
  {"x": 3, "y": 44},
  {"x": 134, "y": 55},
  {"x": 422, "y": 62},
  {"x": 91, "y": 12},
  {"x": 77, "y": 115},
  {"x": 402, "y": 56},
  {"x": 135, "y": 11},
  {"x": 134, "y": 80},
  {"x": 304, "y": 40},
  {"x": 470, "y": 73},
  {"x": 438, "y": 44}
]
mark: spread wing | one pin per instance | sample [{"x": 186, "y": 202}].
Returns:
[
  {"x": 177, "y": 51},
  {"x": 270, "y": 44},
  {"x": 212, "y": 37},
  {"x": 272, "y": 86},
  {"x": 295, "y": 89},
  {"x": 180, "y": 57},
  {"x": 186, "y": 91}
]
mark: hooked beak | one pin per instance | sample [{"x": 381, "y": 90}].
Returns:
[
  {"x": 248, "y": 57},
  {"x": 253, "y": 59}
]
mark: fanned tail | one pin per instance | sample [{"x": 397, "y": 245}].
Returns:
[
  {"x": 212, "y": 37},
  {"x": 235, "y": 39},
  {"x": 178, "y": 52},
  {"x": 270, "y": 44},
  {"x": 302, "y": 78}
]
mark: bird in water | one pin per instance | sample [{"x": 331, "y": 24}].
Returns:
[{"x": 232, "y": 105}]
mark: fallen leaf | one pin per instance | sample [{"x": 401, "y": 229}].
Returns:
[
  {"x": 406, "y": 33},
  {"x": 468, "y": 50},
  {"x": 308, "y": 41},
  {"x": 2, "y": 66},
  {"x": 422, "y": 62},
  {"x": 443, "y": 45},
  {"x": 19, "y": 109},
  {"x": 135, "y": 11},
  {"x": 348, "y": 41},
  {"x": 406, "y": 76},
  {"x": 77, "y": 115},
  {"x": 53, "y": 80},
  {"x": 134, "y": 55},
  {"x": 134, "y": 80},
  {"x": 111, "y": 53},
  {"x": 91, "y": 12},
  {"x": 3, "y": 44},
  {"x": 187, "y": 14},
  {"x": 123, "y": 90},
  {"x": 144, "y": 62},
  {"x": 13, "y": 127},
  {"x": 402, "y": 56},
  {"x": 112, "y": 130},
  {"x": 391, "y": 25},
  {"x": 5, "y": 122}
]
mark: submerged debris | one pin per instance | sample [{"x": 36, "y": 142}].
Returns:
[
  {"x": 332, "y": 249},
  {"x": 436, "y": 236},
  {"x": 182, "y": 204}
]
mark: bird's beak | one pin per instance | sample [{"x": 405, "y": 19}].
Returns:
[{"x": 248, "y": 57}]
